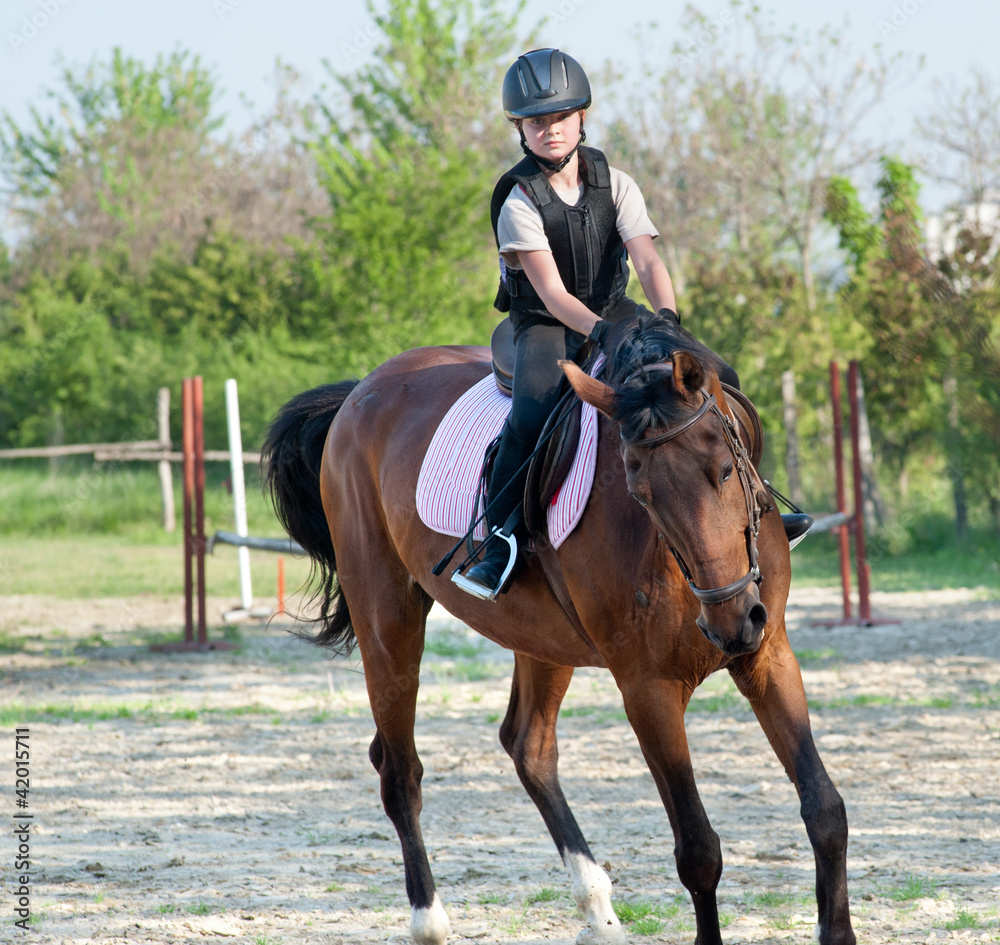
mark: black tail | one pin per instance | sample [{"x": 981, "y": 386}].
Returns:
[{"x": 290, "y": 462}]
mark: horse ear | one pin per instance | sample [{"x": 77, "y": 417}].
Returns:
[
  {"x": 589, "y": 389},
  {"x": 689, "y": 375}
]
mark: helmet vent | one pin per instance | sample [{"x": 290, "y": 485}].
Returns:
[{"x": 564, "y": 73}]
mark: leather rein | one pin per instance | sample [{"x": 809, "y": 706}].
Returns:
[{"x": 744, "y": 469}]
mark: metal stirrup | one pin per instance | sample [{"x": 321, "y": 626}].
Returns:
[{"x": 477, "y": 590}]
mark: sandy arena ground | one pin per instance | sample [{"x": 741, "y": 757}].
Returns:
[{"x": 227, "y": 797}]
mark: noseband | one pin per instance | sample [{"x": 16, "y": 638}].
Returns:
[{"x": 717, "y": 595}]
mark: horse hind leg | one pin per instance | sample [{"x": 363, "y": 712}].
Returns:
[
  {"x": 391, "y": 637},
  {"x": 528, "y": 734}
]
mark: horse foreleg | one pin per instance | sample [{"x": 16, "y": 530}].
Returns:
[
  {"x": 655, "y": 710},
  {"x": 528, "y": 734},
  {"x": 773, "y": 684},
  {"x": 391, "y": 641}
]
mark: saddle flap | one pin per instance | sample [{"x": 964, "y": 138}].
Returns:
[
  {"x": 550, "y": 467},
  {"x": 750, "y": 428}
]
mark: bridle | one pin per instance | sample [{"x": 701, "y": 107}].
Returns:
[{"x": 744, "y": 470}]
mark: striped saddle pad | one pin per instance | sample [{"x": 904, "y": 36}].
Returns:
[{"x": 449, "y": 476}]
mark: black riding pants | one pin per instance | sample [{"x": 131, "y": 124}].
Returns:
[{"x": 538, "y": 384}]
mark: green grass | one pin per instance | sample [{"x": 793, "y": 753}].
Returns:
[
  {"x": 18, "y": 712},
  {"x": 491, "y": 899},
  {"x": 769, "y": 900},
  {"x": 912, "y": 887},
  {"x": 452, "y": 646},
  {"x": 118, "y": 566},
  {"x": 649, "y": 925},
  {"x": 474, "y": 670},
  {"x": 148, "y": 712},
  {"x": 808, "y": 658},
  {"x": 93, "y": 530},
  {"x": 927, "y": 558},
  {"x": 599, "y": 715},
  {"x": 642, "y": 917},
  {"x": 545, "y": 894},
  {"x": 315, "y": 838},
  {"x": 719, "y": 702},
  {"x": 964, "y": 920},
  {"x": 863, "y": 700},
  {"x": 255, "y": 709},
  {"x": 83, "y": 497},
  {"x": 986, "y": 698},
  {"x": 718, "y": 693}
]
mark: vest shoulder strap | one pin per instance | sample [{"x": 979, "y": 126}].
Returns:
[
  {"x": 528, "y": 175},
  {"x": 595, "y": 167}
]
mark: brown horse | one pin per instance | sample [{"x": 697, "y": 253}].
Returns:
[{"x": 691, "y": 578}]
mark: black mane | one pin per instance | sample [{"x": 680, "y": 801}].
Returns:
[{"x": 646, "y": 399}]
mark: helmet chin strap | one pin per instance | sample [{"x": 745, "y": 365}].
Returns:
[{"x": 545, "y": 162}]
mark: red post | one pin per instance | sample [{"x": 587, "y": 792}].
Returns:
[
  {"x": 195, "y": 546},
  {"x": 843, "y": 531},
  {"x": 199, "y": 504},
  {"x": 860, "y": 552},
  {"x": 187, "y": 445}
]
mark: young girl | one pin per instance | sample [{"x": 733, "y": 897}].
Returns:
[{"x": 566, "y": 224}]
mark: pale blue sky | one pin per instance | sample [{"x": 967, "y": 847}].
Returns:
[{"x": 242, "y": 38}]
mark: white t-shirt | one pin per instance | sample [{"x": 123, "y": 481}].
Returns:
[{"x": 519, "y": 227}]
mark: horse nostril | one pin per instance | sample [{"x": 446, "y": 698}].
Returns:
[{"x": 757, "y": 618}]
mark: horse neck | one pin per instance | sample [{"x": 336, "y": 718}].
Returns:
[{"x": 615, "y": 523}]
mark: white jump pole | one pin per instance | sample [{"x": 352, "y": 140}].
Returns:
[{"x": 239, "y": 490}]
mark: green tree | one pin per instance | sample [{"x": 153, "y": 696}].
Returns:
[
  {"x": 129, "y": 159},
  {"x": 408, "y": 156},
  {"x": 937, "y": 370}
]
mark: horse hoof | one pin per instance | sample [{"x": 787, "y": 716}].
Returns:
[
  {"x": 611, "y": 934},
  {"x": 430, "y": 926}
]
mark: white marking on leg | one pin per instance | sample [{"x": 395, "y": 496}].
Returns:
[
  {"x": 592, "y": 892},
  {"x": 430, "y": 926}
]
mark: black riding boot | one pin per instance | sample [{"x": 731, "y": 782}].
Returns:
[
  {"x": 489, "y": 576},
  {"x": 797, "y": 525}
]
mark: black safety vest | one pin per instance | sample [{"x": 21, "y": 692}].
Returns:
[{"x": 584, "y": 239}]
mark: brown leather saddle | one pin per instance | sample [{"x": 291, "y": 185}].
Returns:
[{"x": 502, "y": 346}]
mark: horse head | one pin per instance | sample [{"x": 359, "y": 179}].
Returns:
[{"x": 687, "y": 467}]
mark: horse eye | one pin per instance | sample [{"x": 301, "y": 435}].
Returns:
[
  {"x": 638, "y": 498},
  {"x": 727, "y": 472}
]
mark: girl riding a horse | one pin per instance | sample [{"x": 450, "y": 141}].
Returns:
[{"x": 566, "y": 223}]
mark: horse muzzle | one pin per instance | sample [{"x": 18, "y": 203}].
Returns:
[{"x": 736, "y": 627}]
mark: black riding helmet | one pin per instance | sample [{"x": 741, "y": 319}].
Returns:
[{"x": 544, "y": 82}]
